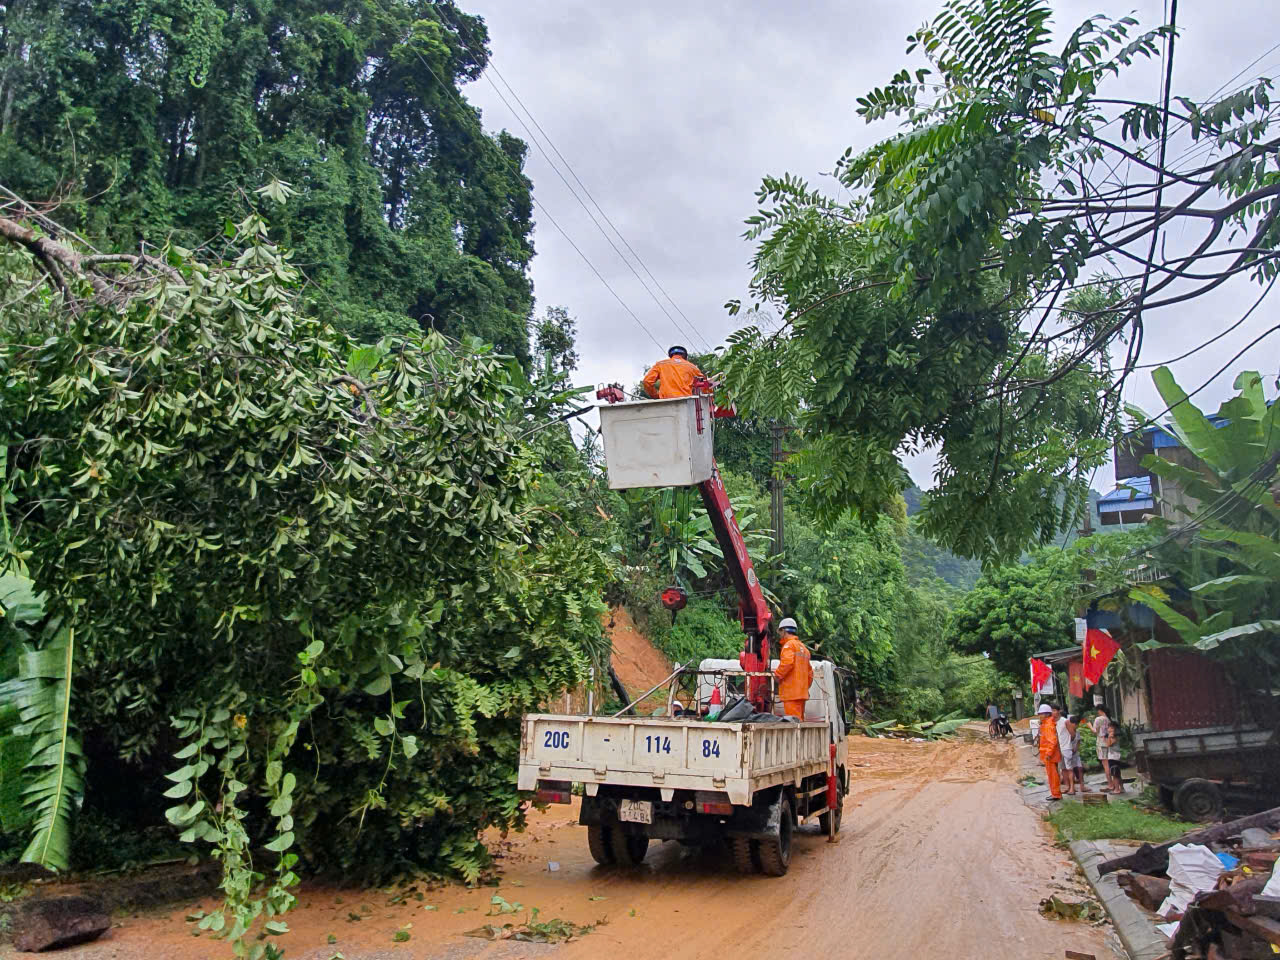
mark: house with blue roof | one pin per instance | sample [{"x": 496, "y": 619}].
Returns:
[{"x": 1139, "y": 494}]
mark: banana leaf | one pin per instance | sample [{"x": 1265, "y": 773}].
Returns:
[
  {"x": 55, "y": 770},
  {"x": 946, "y": 728}
]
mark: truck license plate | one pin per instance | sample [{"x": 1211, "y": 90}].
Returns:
[{"x": 636, "y": 811}]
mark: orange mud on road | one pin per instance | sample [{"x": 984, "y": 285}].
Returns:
[{"x": 938, "y": 857}]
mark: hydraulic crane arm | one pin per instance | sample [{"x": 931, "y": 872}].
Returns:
[{"x": 753, "y": 610}]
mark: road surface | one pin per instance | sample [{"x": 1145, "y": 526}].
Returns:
[{"x": 938, "y": 858}]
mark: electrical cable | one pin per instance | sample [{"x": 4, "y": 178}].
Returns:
[
  {"x": 568, "y": 186},
  {"x": 469, "y": 111},
  {"x": 490, "y": 66},
  {"x": 1248, "y": 313},
  {"x": 688, "y": 324}
]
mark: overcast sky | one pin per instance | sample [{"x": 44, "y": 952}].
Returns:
[{"x": 670, "y": 113}]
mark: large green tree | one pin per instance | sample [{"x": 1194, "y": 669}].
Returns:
[
  {"x": 1016, "y": 610},
  {"x": 948, "y": 296},
  {"x": 304, "y": 588},
  {"x": 135, "y": 120}
]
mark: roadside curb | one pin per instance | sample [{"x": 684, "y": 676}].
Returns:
[{"x": 1134, "y": 927}]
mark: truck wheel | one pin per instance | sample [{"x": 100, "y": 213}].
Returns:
[
  {"x": 1198, "y": 800},
  {"x": 775, "y": 852},
  {"x": 745, "y": 855},
  {"x": 600, "y": 841},
  {"x": 628, "y": 848}
]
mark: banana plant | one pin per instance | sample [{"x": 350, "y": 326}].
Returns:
[
  {"x": 41, "y": 760},
  {"x": 1229, "y": 551},
  {"x": 55, "y": 769}
]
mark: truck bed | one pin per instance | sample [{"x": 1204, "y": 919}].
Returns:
[
  {"x": 670, "y": 753},
  {"x": 1212, "y": 753}
]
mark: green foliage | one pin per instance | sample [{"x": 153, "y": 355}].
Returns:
[
  {"x": 141, "y": 122},
  {"x": 1118, "y": 820},
  {"x": 1016, "y": 611},
  {"x": 341, "y": 592},
  {"x": 925, "y": 560},
  {"x": 705, "y": 628},
  {"x": 844, "y": 586},
  {"x": 555, "y": 338},
  {"x": 932, "y": 679},
  {"x": 921, "y": 307},
  {"x": 54, "y": 771},
  {"x": 1227, "y": 572}
]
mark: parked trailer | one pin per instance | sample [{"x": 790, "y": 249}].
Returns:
[
  {"x": 1194, "y": 769},
  {"x": 698, "y": 782}
]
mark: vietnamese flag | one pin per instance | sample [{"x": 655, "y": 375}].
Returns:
[
  {"x": 1099, "y": 648},
  {"x": 1040, "y": 674}
]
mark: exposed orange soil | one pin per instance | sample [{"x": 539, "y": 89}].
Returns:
[
  {"x": 938, "y": 858},
  {"x": 639, "y": 664}
]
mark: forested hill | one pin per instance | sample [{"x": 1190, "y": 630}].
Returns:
[
  {"x": 925, "y": 559},
  {"x": 143, "y": 127}
]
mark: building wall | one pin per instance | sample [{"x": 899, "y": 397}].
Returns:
[
  {"x": 1172, "y": 496},
  {"x": 1128, "y": 456}
]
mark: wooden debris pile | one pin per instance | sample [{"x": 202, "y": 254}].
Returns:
[{"x": 1239, "y": 918}]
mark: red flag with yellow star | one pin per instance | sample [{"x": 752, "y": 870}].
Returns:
[{"x": 1099, "y": 648}]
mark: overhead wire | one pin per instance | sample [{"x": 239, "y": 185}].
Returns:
[
  {"x": 568, "y": 186},
  {"x": 688, "y": 324},
  {"x": 468, "y": 111},
  {"x": 490, "y": 66}
]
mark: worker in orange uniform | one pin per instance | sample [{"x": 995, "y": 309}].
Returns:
[
  {"x": 794, "y": 673},
  {"x": 672, "y": 377},
  {"x": 1050, "y": 750}
]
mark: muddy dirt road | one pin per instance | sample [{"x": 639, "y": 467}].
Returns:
[{"x": 938, "y": 858}]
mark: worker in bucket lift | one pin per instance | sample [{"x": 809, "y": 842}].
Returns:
[
  {"x": 672, "y": 377},
  {"x": 794, "y": 673}
]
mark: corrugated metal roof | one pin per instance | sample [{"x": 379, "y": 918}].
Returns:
[{"x": 1131, "y": 494}]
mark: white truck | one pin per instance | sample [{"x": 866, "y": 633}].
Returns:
[{"x": 676, "y": 776}]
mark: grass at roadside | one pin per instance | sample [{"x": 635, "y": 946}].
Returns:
[{"x": 1118, "y": 820}]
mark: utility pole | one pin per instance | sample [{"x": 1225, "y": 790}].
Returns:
[{"x": 776, "y": 483}]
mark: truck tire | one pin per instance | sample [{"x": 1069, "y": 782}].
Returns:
[
  {"x": 775, "y": 851},
  {"x": 600, "y": 840},
  {"x": 745, "y": 855},
  {"x": 628, "y": 848},
  {"x": 1198, "y": 800}
]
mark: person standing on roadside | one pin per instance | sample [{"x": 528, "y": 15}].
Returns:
[
  {"x": 1072, "y": 762},
  {"x": 1066, "y": 768},
  {"x": 1050, "y": 753},
  {"x": 1105, "y": 730}
]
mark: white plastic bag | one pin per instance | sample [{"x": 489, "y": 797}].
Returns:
[
  {"x": 1272, "y": 889},
  {"x": 1193, "y": 868}
]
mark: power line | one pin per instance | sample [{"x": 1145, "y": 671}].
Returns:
[
  {"x": 568, "y": 186},
  {"x": 688, "y": 324},
  {"x": 468, "y": 111},
  {"x": 1248, "y": 313},
  {"x": 490, "y": 66}
]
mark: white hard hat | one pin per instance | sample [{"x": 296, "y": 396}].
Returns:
[
  {"x": 788, "y": 623},
  {"x": 1045, "y": 708}
]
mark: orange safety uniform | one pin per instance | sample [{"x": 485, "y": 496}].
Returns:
[
  {"x": 1050, "y": 754},
  {"x": 672, "y": 377},
  {"x": 795, "y": 676}
]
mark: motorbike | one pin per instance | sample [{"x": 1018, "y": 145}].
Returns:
[{"x": 1000, "y": 727}]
